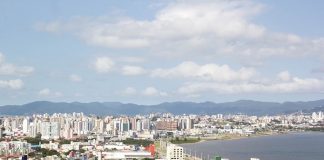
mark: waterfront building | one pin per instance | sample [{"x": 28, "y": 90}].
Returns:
[{"x": 174, "y": 152}]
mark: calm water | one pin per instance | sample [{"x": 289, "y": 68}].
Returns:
[{"x": 295, "y": 146}]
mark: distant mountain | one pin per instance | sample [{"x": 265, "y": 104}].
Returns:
[
  {"x": 316, "y": 109},
  {"x": 115, "y": 108}
]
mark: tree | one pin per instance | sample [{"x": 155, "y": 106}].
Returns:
[
  {"x": 82, "y": 150},
  {"x": 154, "y": 118},
  {"x": 65, "y": 141},
  {"x": 140, "y": 142},
  {"x": 31, "y": 154},
  {"x": 38, "y": 136},
  {"x": 46, "y": 152}
]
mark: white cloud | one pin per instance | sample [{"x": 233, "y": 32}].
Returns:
[
  {"x": 177, "y": 21},
  {"x": 44, "y": 92},
  {"x": 106, "y": 64},
  {"x": 206, "y": 72},
  {"x": 129, "y": 91},
  {"x": 75, "y": 78},
  {"x": 103, "y": 64},
  {"x": 152, "y": 91},
  {"x": 132, "y": 70},
  {"x": 11, "y": 69},
  {"x": 294, "y": 85},
  {"x": 48, "y": 93},
  {"x": 202, "y": 28},
  {"x": 12, "y": 84},
  {"x": 284, "y": 76},
  {"x": 221, "y": 79}
]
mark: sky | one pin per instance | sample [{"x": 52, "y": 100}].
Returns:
[{"x": 153, "y": 51}]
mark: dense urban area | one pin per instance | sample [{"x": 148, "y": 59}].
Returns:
[
  {"x": 162, "y": 80},
  {"x": 153, "y": 136}
]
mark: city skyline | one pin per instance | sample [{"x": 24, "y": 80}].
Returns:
[{"x": 148, "y": 52}]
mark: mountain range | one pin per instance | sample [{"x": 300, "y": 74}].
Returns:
[{"x": 248, "y": 107}]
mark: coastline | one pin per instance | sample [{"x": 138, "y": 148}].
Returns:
[
  {"x": 254, "y": 146},
  {"x": 226, "y": 137}
]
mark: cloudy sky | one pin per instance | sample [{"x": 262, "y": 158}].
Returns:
[{"x": 151, "y": 51}]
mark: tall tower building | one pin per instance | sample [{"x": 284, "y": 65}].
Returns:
[{"x": 26, "y": 125}]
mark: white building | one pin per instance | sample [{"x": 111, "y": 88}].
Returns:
[
  {"x": 51, "y": 145},
  {"x": 1, "y": 132},
  {"x": 174, "y": 152},
  {"x": 26, "y": 125},
  {"x": 32, "y": 131},
  {"x": 71, "y": 146},
  {"x": 50, "y": 130}
]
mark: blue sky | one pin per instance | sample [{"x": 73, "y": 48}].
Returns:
[{"x": 149, "y": 52}]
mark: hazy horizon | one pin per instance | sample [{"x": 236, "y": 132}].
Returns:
[{"x": 163, "y": 102}]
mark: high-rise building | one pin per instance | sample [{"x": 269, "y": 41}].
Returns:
[
  {"x": 125, "y": 125},
  {"x": 138, "y": 125},
  {"x": 1, "y": 132},
  {"x": 133, "y": 125},
  {"x": 174, "y": 152},
  {"x": 145, "y": 124},
  {"x": 50, "y": 130},
  {"x": 25, "y": 125},
  {"x": 32, "y": 129},
  {"x": 186, "y": 123}
]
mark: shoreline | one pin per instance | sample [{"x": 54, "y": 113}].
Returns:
[
  {"x": 227, "y": 137},
  {"x": 206, "y": 148}
]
